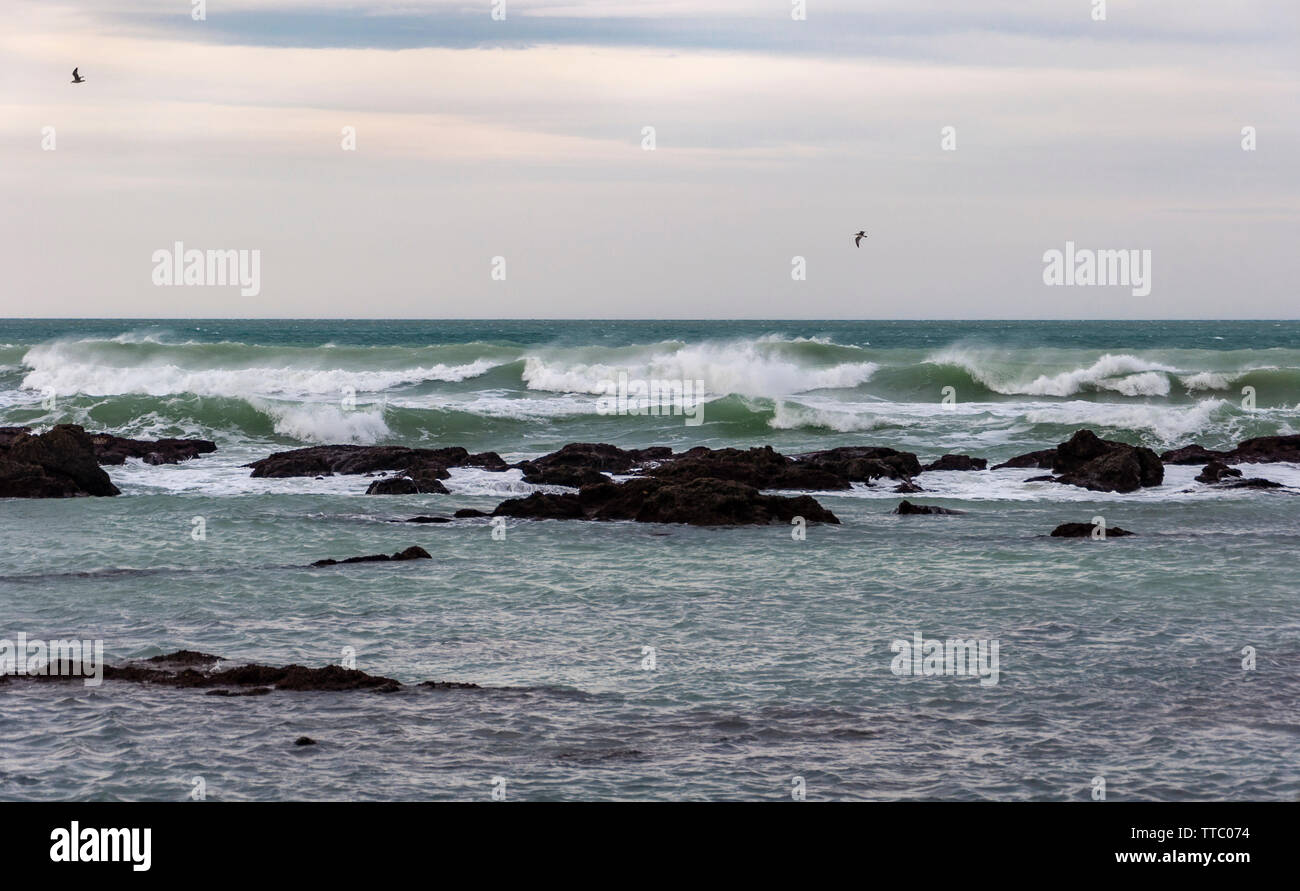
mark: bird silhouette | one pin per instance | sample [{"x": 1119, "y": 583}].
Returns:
[
  {"x": 857, "y": 238},
  {"x": 77, "y": 78}
]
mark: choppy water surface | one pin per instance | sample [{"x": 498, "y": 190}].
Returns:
[{"x": 1119, "y": 659}]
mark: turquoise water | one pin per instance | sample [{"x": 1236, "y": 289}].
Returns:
[{"x": 1119, "y": 659}]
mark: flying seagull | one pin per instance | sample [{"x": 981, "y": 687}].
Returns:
[
  {"x": 77, "y": 78},
  {"x": 857, "y": 238}
]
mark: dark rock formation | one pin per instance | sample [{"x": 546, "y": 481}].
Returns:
[
  {"x": 600, "y": 457},
  {"x": 467, "y": 512},
  {"x": 110, "y": 449},
  {"x": 907, "y": 487},
  {"x": 329, "y": 459},
  {"x": 1192, "y": 454},
  {"x": 428, "y": 520},
  {"x": 561, "y": 475},
  {"x": 1263, "y": 449},
  {"x": 762, "y": 468},
  {"x": 863, "y": 463},
  {"x": 1260, "y": 450},
  {"x": 192, "y": 670},
  {"x": 404, "y": 485},
  {"x": 304, "y": 741},
  {"x": 1042, "y": 459},
  {"x": 699, "y": 502},
  {"x": 1102, "y": 465},
  {"x": 414, "y": 552},
  {"x": 907, "y": 508},
  {"x": 1253, "y": 482},
  {"x": 957, "y": 462},
  {"x": 1084, "y": 530},
  {"x": 1215, "y": 471},
  {"x": 57, "y": 464}
]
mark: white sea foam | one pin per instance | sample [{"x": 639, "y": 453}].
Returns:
[{"x": 746, "y": 368}]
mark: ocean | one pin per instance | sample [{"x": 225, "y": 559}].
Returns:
[{"x": 638, "y": 661}]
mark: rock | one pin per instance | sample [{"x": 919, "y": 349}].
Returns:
[
  {"x": 404, "y": 485},
  {"x": 1215, "y": 471},
  {"x": 1192, "y": 454},
  {"x": 414, "y": 552},
  {"x": 304, "y": 741},
  {"x": 467, "y": 512},
  {"x": 561, "y": 475},
  {"x": 110, "y": 449},
  {"x": 1084, "y": 530},
  {"x": 358, "y": 459},
  {"x": 428, "y": 520},
  {"x": 762, "y": 468},
  {"x": 9, "y": 434},
  {"x": 1042, "y": 459},
  {"x": 57, "y": 464},
  {"x": 600, "y": 456},
  {"x": 863, "y": 463},
  {"x": 957, "y": 462},
  {"x": 488, "y": 461},
  {"x": 1045, "y": 478},
  {"x": 907, "y": 508},
  {"x": 1253, "y": 482},
  {"x": 699, "y": 502},
  {"x": 907, "y": 487},
  {"x": 1264, "y": 449},
  {"x": 1101, "y": 465},
  {"x": 187, "y": 669}
]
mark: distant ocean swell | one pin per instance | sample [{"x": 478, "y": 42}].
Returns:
[{"x": 152, "y": 384}]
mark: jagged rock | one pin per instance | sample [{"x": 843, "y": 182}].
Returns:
[
  {"x": 762, "y": 468},
  {"x": 863, "y": 463},
  {"x": 1215, "y": 471},
  {"x": 561, "y": 475},
  {"x": 907, "y": 487},
  {"x": 110, "y": 449},
  {"x": 1042, "y": 459},
  {"x": 404, "y": 485},
  {"x": 957, "y": 462},
  {"x": 1102, "y": 465},
  {"x": 1264, "y": 449},
  {"x": 1084, "y": 530},
  {"x": 700, "y": 502},
  {"x": 414, "y": 552},
  {"x": 1192, "y": 454},
  {"x": 57, "y": 464},
  {"x": 599, "y": 456},
  {"x": 358, "y": 459},
  {"x": 907, "y": 508}
]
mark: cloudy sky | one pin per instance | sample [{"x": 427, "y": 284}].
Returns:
[{"x": 774, "y": 137}]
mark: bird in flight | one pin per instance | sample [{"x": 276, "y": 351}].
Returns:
[
  {"x": 857, "y": 238},
  {"x": 77, "y": 78}
]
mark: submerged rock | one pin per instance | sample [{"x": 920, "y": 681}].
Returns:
[
  {"x": 907, "y": 487},
  {"x": 304, "y": 741},
  {"x": 1216, "y": 471},
  {"x": 60, "y": 463},
  {"x": 698, "y": 502},
  {"x": 414, "y": 552},
  {"x": 1084, "y": 530},
  {"x": 862, "y": 464},
  {"x": 1043, "y": 459},
  {"x": 907, "y": 508},
  {"x": 358, "y": 459},
  {"x": 957, "y": 462},
  {"x": 762, "y": 468},
  {"x": 405, "y": 485},
  {"x": 110, "y": 449}
]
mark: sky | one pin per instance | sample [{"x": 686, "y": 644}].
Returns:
[{"x": 775, "y": 137}]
